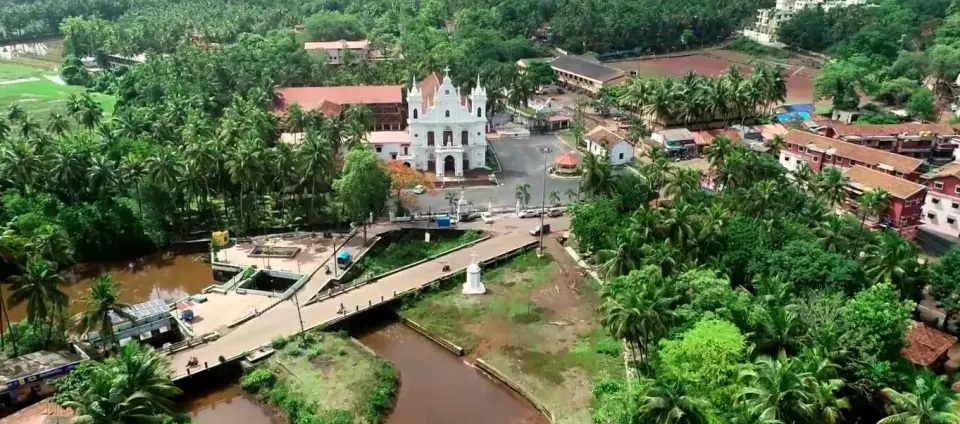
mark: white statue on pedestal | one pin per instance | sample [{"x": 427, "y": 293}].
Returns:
[
  {"x": 473, "y": 284},
  {"x": 462, "y": 204}
]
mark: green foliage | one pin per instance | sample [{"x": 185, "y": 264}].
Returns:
[
  {"x": 746, "y": 45},
  {"x": 73, "y": 385},
  {"x": 808, "y": 266},
  {"x": 258, "y": 379},
  {"x": 363, "y": 186},
  {"x": 707, "y": 359},
  {"x": 945, "y": 281},
  {"x": 921, "y": 104},
  {"x": 379, "y": 400},
  {"x": 279, "y": 343},
  {"x": 334, "y": 26},
  {"x": 613, "y": 402},
  {"x": 34, "y": 338},
  {"x": 879, "y": 319},
  {"x": 593, "y": 223},
  {"x": 610, "y": 347},
  {"x": 398, "y": 255}
]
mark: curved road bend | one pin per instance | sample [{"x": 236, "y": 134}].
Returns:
[{"x": 282, "y": 320}]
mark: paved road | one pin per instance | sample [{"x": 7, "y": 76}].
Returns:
[
  {"x": 522, "y": 163},
  {"x": 283, "y": 321}
]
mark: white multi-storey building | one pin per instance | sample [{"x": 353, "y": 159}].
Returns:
[
  {"x": 447, "y": 131},
  {"x": 769, "y": 20}
]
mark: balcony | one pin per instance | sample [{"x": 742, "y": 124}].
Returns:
[{"x": 449, "y": 148}]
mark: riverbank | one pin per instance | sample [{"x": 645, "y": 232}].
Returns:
[
  {"x": 325, "y": 377},
  {"x": 536, "y": 324}
]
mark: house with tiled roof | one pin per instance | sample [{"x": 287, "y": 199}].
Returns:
[
  {"x": 334, "y": 51},
  {"x": 905, "y": 205},
  {"x": 603, "y": 142},
  {"x": 817, "y": 152},
  {"x": 384, "y": 101},
  {"x": 927, "y": 346},
  {"x": 931, "y": 142},
  {"x": 580, "y": 74},
  {"x": 941, "y": 210}
]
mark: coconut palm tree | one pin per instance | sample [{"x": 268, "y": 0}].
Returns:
[
  {"x": 57, "y": 124},
  {"x": 667, "y": 402},
  {"x": 102, "y": 305},
  {"x": 894, "y": 259},
  {"x": 929, "y": 402},
  {"x": 718, "y": 152},
  {"x": 522, "y": 194},
  {"x": 132, "y": 168},
  {"x": 832, "y": 185},
  {"x": 779, "y": 331},
  {"x": 316, "y": 163},
  {"x": 572, "y": 195},
  {"x": 683, "y": 183},
  {"x": 15, "y": 113},
  {"x": 834, "y": 234},
  {"x": 679, "y": 224},
  {"x": 776, "y": 389},
  {"x": 872, "y": 203},
  {"x": 597, "y": 178},
  {"x": 554, "y": 198},
  {"x": 39, "y": 286},
  {"x": 804, "y": 177},
  {"x": 101, "y": 175},
  {"x": 4, "y": 129},
  {"x": 20, "y": 163},
  {"x": 622, "y": 317},
  {"x": 618, "y": 261}
]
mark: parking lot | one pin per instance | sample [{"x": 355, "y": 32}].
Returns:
[{"x": 521, "y": 163}]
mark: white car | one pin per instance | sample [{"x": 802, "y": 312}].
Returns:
[
  {"x": 419, "y": 189},
  {"x": 529, "y": 213},
  {"x": 486, "y": 217}
]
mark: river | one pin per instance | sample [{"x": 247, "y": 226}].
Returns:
[
  {"x": 228, "y": 406},
  {"x": 158, "y": 276}
]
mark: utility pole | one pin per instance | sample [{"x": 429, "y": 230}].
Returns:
[
  {"x": 296, "y": 302},
  {"x": 543, "y": 193}
]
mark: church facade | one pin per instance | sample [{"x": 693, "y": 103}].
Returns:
[{"x": 446, "y": 130}]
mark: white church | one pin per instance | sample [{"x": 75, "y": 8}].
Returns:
[{"x": 445, "y": 130}]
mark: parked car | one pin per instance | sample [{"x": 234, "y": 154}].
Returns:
[
  {"x": 529, "y": 213},
  {"x": 536, "y": 231},
  {"x": 553, "y": 213},
  {"x": 419, "y": 189},
  {"x": 486, "y": 217}
]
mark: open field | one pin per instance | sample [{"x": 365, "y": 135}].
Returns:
[
  {"x": 12, "y": 71},
  {"x": 537, "y": 324},
  {"x": 39, "y": 98},
  {"x": 43, "y": 55},
  {"x": 799, "y": 78}
]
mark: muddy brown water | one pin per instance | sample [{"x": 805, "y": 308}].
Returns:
[
  {"x": 437, "y": 387},
  {"x": 159, "y": 276},
  {"x": 228, "y": 406}
]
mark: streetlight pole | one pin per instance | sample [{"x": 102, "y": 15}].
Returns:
[{"x": 543, "y": 194}]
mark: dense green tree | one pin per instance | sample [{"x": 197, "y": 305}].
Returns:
[
  {"x": 929, "y": 401},
  {"x": 363, "y": 187},
  {"x": 102, "y": 304},
  {"x": 945, "y": 281},
  {"x": 921, "y": 105},
  {"x": 39, "y": 286},
  {"x": 707, "y": 359}
]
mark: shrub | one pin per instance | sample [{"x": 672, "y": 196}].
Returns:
[
  {"x": 314, "y": 353},
  {"x": 258, "y": 379},
  {"x": 279, "y": 343},
  {"x": 608, "y": 346},
  {"x": 379, "y": 400}
]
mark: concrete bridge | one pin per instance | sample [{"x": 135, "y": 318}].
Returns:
[{"x": 283, "y": 320}]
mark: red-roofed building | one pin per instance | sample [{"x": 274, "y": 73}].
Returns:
[
  {"x": 819, "y": 151},
  {"x": 932, "y": 142},
  {"x": 335, "y": 50},
  {"x": 385, "y": 101},
  {"x": 43, "y": 412},
  {"x": 941, "y": 211},
  {"x": 906, "y": 199},
  {"x": 927, "y": 346}
]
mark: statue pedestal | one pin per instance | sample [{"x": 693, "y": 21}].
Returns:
[{"x": 473, "y": 284}]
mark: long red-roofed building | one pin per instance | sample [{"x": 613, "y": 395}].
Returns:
[
  {"x": 819, "y": 151},
  {"x": 385, "y": 101}
]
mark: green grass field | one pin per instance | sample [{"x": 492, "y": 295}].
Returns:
[
  {"x": 13, "y": 71},
  {"x": 39, "y": 98}
]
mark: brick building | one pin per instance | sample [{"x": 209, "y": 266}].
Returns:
[
  {"x": 906, "y": 199},
  {"x": 819, "y": 151},
  {"x": 931, "y": 142}
]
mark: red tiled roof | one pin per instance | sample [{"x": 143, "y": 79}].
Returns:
[
  {"x": 428, "y": 91},
  {"x": 341, "y": 44},
  {"x": 604, "y": 137},
  {"x": 888, "y": 130},
  {"x": 868, "y": 179},
  {"x": 949, "y": 170},
  {"x": 569, "y": 159},
  {"x": 310, "y": 98},
  {"x": 925, "y": 344},
  {"x": 37, "y": 413},
  {"x": 867, "y": 155},
  {"x": 707, "y": 137}
]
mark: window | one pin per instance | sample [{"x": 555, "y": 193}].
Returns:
[
  {"x": 379, "y": 149},
  {"x": 801, "y": 149},
  {"x": 931, "y": 216},
  {"x": 479, "y": 113},
  {"x": 414, "y": 114},
  {"x": 447, "y": 92},
  {"x": 934, "y": 200},
  {"x": 816, "y": 158},
  {"x": 621, "y": 155},
  {"x": 951, "y": 220},
  {"x": 900, "y": 174},
  {"x": 446, "y": 113},
  {"x": 828, "y": 158},
  {"x": 430, "y": 139},
  {"x": 954, "y": 205},
  {"x": 956, "y": 189},
  {"x": 853, "y": 162},
  {"x": 464, "y": 137},
  {"x": 938, "y": 185},
  {"x": 789, "y": 146}
]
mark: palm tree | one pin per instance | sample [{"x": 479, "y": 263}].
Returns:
[
  {"x": 762, "y": 194},
  {"x": 779, "y": 331},
  {"x": 678, "y": 224},
  {"x": 39, "y": 287},
  {"x": 102, "y": 303},
  {"x": 101, "y": 175},
  {"x": 623, "y": 318},
  {"x": 20, "y": 163},
  {"x": 554, "y": 198},
  {"x": 15, "y": 113},
  {"x": 597, "y": 176},
  {"x": 618, "y": 261},
  {"x": 717, "y": 152},
  {"x": 57, "y": 123},
  {"x": 668, "y": 403},
  {"x": 804, "y": 177},
  {"x": 684, "y": 183},
  {"x": 894, "y": 259},
  {"x": 522, "y": 194},
  {"x": 776, "y": 389},
  {"x": 451, "y": 199},
  {"x": 832, "y": 185},
  {"x": 316, "y": 163},
  {"x": 834, "y": 234},
  {"x": 572, "y": 195},
  {"x": 929, "y": 402},
  {"x": 872, "y": 203},
  {"x": 4, "y": 129},
  {"x": 133, "y": 168}
]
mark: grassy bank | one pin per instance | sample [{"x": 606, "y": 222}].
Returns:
[
  {"x": 39, "y": 98},
  {"x": 533, "y": 326},
  {"x": 404, "y": 253},
  {"x": 325, "y": 378}
]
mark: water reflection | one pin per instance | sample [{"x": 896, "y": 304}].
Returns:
[{"x": 228, "y": 406}]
